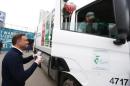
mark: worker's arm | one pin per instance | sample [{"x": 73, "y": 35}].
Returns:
[{"x": 27, "y": 59}]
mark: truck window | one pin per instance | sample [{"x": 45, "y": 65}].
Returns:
[
  {"x": 66, "y": 22},
  {"x": 67, "y": 9},
  {"x": 97, "y": 18}
]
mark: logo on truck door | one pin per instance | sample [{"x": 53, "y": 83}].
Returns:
[
  {"x": 97, "y": 60},
  {"x": 100, "y": 60}
]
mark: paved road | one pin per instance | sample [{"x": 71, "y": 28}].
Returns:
[{"x": 39, "y": 78}]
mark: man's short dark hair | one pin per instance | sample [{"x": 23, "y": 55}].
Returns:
[{"x": 16, "y": 37}]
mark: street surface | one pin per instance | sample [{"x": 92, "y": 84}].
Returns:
[{"x": 38, "y": 78}]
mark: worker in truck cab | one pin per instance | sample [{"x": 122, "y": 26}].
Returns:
[
  {"x": 88, "y": 26},
  {"x": 93, "y": 25}
]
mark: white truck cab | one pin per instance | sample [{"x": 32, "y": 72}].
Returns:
[{"x": 78, "y": 58}]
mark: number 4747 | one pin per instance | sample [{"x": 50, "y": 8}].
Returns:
[{"x": 120, "y": 81}]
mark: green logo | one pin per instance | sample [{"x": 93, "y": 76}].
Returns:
[{"x": 96, "y": 60}]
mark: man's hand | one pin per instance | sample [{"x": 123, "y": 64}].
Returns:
[
  {"x": 39, "y": 60},
  {"x": 37, "y": 54}
]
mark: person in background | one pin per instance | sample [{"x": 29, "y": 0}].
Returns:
[{"x": 13, "y": 73}]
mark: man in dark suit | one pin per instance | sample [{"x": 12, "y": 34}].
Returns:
[{"x": 13, "y": 73}]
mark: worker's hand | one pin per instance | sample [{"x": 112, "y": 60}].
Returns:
[
  {"x": 39, "y": 60},
  {"x": 34, "y": 56}
]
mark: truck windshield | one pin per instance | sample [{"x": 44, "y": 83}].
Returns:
[{"x": 97, "y": 18}]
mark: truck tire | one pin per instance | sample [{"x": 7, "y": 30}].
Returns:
[{"x": 68, "y": 80}]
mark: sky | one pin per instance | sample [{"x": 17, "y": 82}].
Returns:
[{"x": 24, "y": 13}]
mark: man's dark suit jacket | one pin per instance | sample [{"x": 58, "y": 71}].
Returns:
[{"x": 13, "y": 73}]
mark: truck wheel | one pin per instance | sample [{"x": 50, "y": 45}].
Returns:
[{"x": 67, "y": 80}]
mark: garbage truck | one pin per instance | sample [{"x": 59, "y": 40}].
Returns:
[{"x": 73, "y": 57}]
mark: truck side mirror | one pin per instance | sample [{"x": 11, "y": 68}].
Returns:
[{"x": 121, "y": 12}]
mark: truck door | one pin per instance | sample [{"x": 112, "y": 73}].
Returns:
[{"x": 102, "y": 31}]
